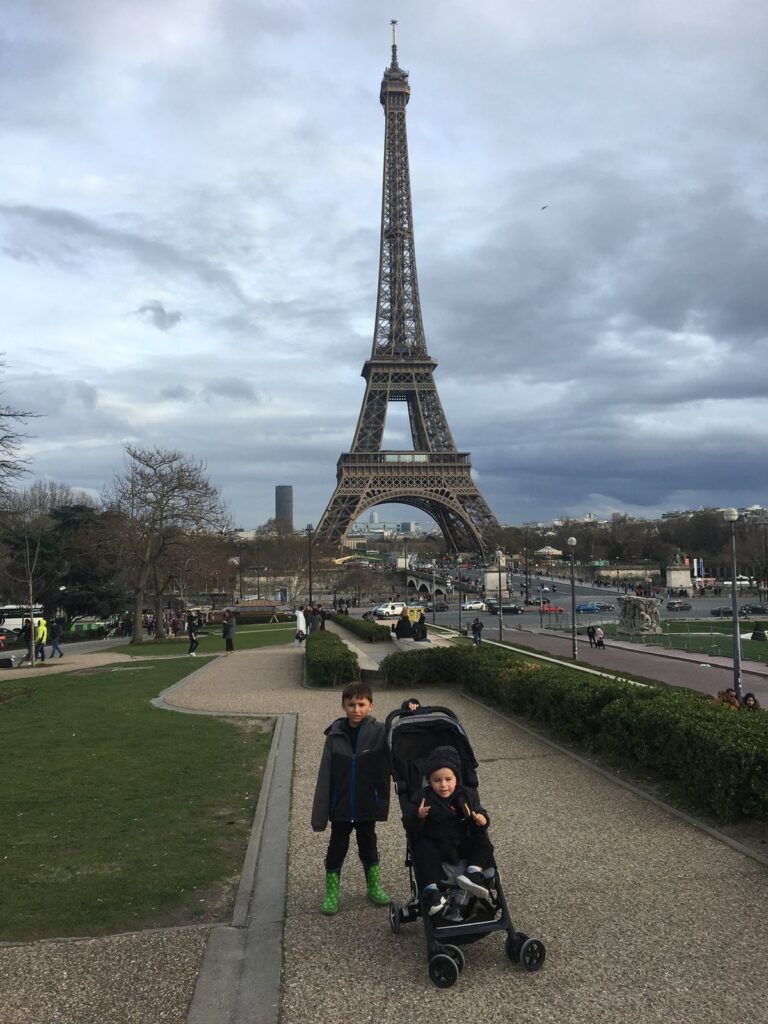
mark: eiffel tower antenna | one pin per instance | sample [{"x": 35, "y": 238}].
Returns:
[{"x": 434, "y": 476}]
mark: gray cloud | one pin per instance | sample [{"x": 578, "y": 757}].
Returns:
[
  {"x": 607, "y": 352},
  {"x": 156, "y": 313}
]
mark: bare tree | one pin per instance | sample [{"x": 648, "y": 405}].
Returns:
[
  {"x": 12, "y": 464},
  {"x": 161, "y": 497}
]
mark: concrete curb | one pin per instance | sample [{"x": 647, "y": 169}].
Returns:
[{"x": 239, "y": 978}]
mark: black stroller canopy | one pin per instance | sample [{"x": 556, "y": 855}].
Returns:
[{"x": 412, "y": 736}]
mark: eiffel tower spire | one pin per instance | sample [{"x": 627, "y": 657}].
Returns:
[{"x": 434, "y": 476}]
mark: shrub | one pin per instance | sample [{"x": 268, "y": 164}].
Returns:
[
  {"x": 328, "y": 660},
  {"x": 257, "y": 618},
  {"x": 373, "y": 632},
  {"x": 716, "y": 758}
]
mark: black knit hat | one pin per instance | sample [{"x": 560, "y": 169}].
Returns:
[{"x": 443, "y": 757}]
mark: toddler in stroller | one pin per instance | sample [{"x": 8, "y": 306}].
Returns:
[
  {"x": 447, "y": 825},
  {"x": 456, "y": 890}
]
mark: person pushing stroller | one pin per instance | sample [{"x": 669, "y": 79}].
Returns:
[{"x": 447, "y": 824}]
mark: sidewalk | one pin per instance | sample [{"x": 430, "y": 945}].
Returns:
[{"x": 645, "y": 918}]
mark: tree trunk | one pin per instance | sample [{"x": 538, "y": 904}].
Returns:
[{"x": 137, "y": 630}]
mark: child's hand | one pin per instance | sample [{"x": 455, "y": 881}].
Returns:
[
  {"x": 423, "y": 809},
  {"x": 479, "y": 819}
]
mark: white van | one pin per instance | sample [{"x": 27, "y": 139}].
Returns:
[{"x": 390, "y": 610}]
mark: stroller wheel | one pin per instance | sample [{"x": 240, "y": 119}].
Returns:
[
  {"x": 394, "y": 916},
  {"x": 513, "y": 945},
  {"x": 443, "y": 970},
  {"x": 532, "y": 954},
  {"x": 455, "y": 954}
]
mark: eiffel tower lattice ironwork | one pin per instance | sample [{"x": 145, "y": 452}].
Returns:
[{"x": 434, "y": 476}]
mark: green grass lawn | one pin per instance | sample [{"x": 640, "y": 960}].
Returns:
[
  {"x": 116, "y": 815},
  {"x": 246, "y": 638}
]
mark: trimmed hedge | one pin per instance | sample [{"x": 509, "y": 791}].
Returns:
[
  {"x": 716, "y": 757},
  {"x": 373, "y": 632},
  {"x": 328, "y": 660},
  {"x": 257, "y": 618}
]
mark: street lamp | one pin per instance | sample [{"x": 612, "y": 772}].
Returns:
[
  {"x": 458, "y": 578},
  {"x": 731, "y": 515},
  {"x": 309, "y": 543},
  {"x": 499, "y": 556},
  {"x": 571, "y": 542},
  {"x": 258, "y": 574}
]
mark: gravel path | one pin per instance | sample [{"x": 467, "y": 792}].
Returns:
[{"x": 645, "y": 918}]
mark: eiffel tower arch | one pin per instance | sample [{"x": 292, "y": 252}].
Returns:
[{"x": 434, "y": 477}]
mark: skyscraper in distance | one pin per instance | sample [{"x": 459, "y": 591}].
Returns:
[{"x": 284, "y": 507}]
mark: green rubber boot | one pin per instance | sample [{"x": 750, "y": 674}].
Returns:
[
  {"x": 374, "y": 891},
  {"x": 331, "y": 901}
]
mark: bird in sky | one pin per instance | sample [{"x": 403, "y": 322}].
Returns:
[{"x": 545, "y": 207}]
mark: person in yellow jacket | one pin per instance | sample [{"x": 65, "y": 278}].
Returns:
[{"x": 41, "y": 639}]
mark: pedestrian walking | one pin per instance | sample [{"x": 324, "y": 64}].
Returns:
[
  {"x": 591, "y": 634},
  {"x": 301, "y": 626},
  {"x": 194, "y": 643},
  {"x": 477, "y": 632},
  {"x": 599, "y": 635},
  {"x": 41, "y": 639},
  {"x": 27, "y": 638},
  {"x": 56, "y": 632},
  {"x": 228, "y": 631}
]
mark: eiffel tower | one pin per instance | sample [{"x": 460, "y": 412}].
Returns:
[{"x": 434, "y": 476}]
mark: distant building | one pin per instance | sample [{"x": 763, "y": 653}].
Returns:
[{"x": 284, "y": 508}]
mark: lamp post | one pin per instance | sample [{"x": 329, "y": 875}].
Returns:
[
  {"x": 571, "y": 542},
  {"x": 434, "y": 599},
  {"x": 458, "y": 578},
  {"x": 405, "y": 567},
  {"x": 499, "y": 556},
  {"x": 258, "y": 572},
  {"x": 731, "y": 515},
  {"x": 309, "y": 543}
]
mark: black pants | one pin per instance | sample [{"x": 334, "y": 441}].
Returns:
[
  {"x": 230, "y": 643},
  {"x": 365, "y": 832},
  {"x": 428, "y": 857},
  {"x": 193, "y": 645}
]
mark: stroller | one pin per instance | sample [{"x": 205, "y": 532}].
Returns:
[{"x": 411, "y": 736}]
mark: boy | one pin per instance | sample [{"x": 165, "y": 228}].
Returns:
[
  {"x": 352, "y": 792},
  {"x": 447, "y": 823}
]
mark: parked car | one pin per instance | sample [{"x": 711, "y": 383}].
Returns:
[
  {"x": 552, "y": 609},
  {"x": 726, "y": 612},
  {"x": 604, "y": 606},
  {"x": 587, "y": 608},
  {"x": 679, "y": 606},
  {"x": 473, "y": 606},
  {"x": 753, "y": 609},
  {"x": 440, "y": 606},
  {"x": 391, "y": 610}
]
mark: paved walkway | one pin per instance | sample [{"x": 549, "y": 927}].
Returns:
[{"x": 646, "y": 919}]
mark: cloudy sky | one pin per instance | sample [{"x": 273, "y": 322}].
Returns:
[{"x": 189, "y": 212}]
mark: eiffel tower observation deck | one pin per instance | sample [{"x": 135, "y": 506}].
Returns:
[{"x": 434, "y": 476}]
